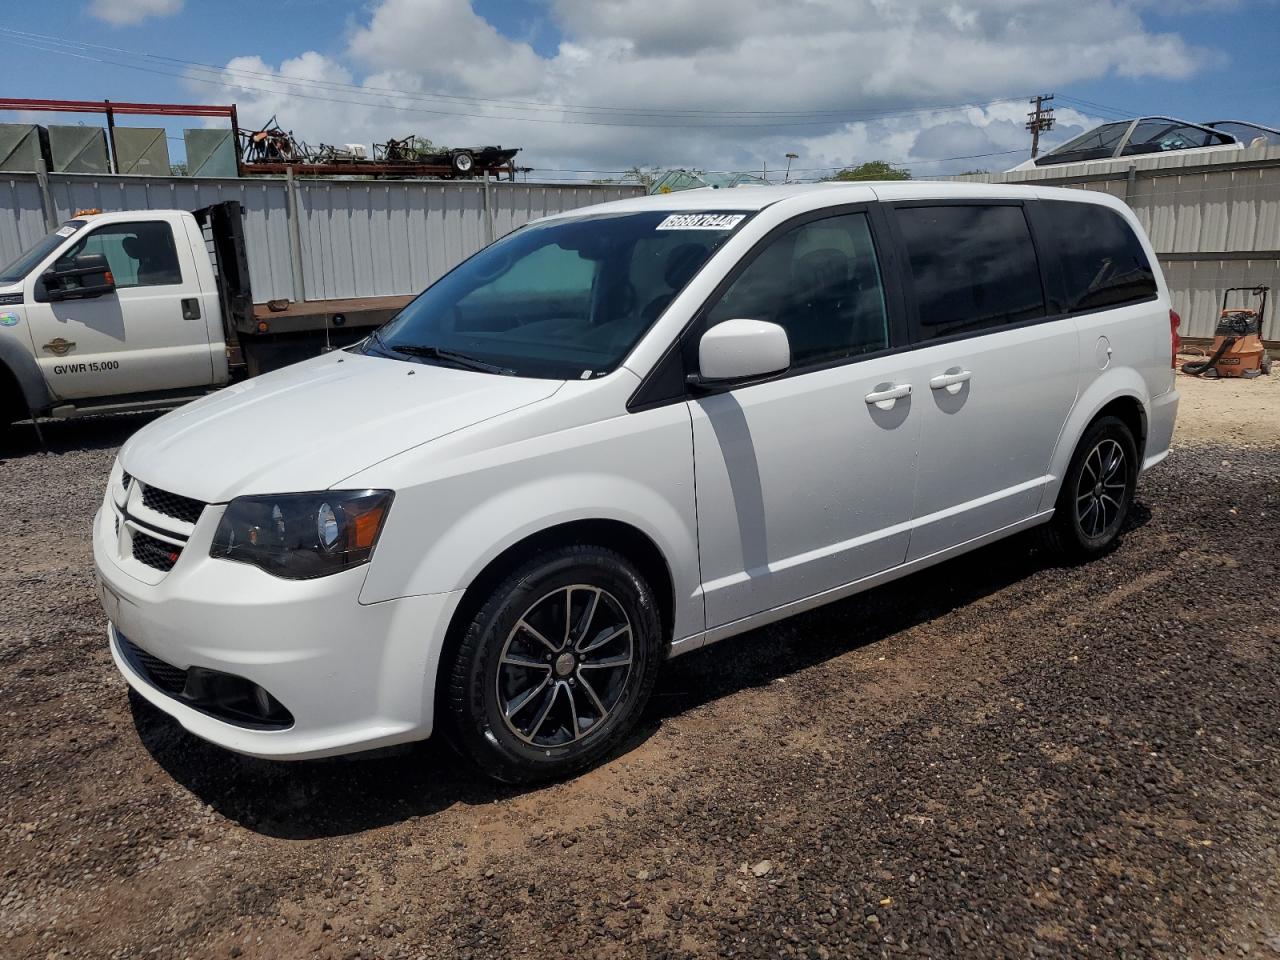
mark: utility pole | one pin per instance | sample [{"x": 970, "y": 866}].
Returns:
[{"x": 1039, "y": 120}]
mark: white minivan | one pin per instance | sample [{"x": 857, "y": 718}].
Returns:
[{"x": 622, "y": 433}]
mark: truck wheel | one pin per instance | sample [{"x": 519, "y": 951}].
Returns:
[
  {"x": 13, "y": 407},
  {"x": 556, "y": 666},
  {"x": 463, "y": 163},
  {"x": 1096, "y": 493}
]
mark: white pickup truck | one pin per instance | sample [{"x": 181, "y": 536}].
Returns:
[{"x": 145, "y": 309}]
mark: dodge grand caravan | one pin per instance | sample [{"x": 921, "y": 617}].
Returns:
[{"x": 620, "y": 434}]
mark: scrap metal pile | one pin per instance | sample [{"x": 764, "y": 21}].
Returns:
[{"x": 273, "y": 150}]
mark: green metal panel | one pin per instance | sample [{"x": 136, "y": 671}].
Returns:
[
  {"x": 21, "y": 147},
  {"x": 210, "y": 152},
  {"x": 142, "y": 150},
  {"x": 78, "y": 149}
]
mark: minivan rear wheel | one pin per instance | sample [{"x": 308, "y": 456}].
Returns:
[
  {"x": 556, "y": 666},
  {"x": 1096, "y": 493}
]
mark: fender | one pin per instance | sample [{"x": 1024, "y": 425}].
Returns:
[
  {"x": 15, "y": 355},
  {"x": 1110, "y": 385},
  {"x": 463, "y": 500},
  {"x": 470, "y": 542}
]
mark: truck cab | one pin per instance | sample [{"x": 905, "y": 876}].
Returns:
[{"x": 111, "y": 312}]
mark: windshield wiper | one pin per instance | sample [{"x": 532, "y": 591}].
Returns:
[{"x": 448, "y": 356}]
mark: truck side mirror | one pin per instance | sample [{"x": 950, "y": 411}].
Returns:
[{"x": 88, "y": 275}]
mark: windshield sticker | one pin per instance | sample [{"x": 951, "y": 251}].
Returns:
[
  {"x": 9, "y": 319},
  {"x": 701, "y": 221},
  {"x": 66, "y": 231}
]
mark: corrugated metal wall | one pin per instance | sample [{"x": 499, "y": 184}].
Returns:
[
  {"x": 368, "y": 238},
  {"x": 22, "y": 220},
  {"x": 1213, "y": 219},
  {"x": 357, "y": 238}
]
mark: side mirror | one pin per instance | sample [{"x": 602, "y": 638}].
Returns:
[
  {"x": 738, "y": 350},
  {"x": 88, "y": 275}
]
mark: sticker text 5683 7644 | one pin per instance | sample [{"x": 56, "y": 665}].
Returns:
[{"x": 701, "y": 221}]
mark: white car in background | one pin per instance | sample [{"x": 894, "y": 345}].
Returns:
[{"x": 623, "y": 433}]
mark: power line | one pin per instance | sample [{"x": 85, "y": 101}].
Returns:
[
  {"x": 832, "y": 169},
  {"x": 1104, "y": 108},
  {"x": 79, "y": 50},
  {"x": 505, "y": 102}
]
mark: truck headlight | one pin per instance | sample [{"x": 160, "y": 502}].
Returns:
[{"x": 300, "y": 536}]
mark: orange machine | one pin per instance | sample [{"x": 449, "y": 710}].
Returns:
[{"x": 1237, "y": 349}]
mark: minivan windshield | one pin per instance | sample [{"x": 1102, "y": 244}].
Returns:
[
  {"x": 561, "y": 300},
  {"x": 28, "y": 259}
]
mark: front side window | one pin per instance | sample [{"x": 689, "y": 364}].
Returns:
[
  {"x": 821, "y": 283},
  {"x": 34, "y": 255},
  {"x": 973, "y": 267},
  {"x": 563, "y": 300},
  {"x": 1103, "y": 262},
  {"x": 1157, "y": 136},
  {"x": 139, "y": 254}
]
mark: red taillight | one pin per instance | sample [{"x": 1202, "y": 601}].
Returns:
[{"x": 1175, "y": 322}]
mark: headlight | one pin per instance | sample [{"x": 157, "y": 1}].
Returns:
[{"x": 300, "y": 536}]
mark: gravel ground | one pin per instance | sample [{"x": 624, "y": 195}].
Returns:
[{"x": 997, "y": 757}]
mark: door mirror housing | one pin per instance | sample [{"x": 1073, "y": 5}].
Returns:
[
  {"x": 740, "y": 350},
  {"x": 88, "y": 275}
]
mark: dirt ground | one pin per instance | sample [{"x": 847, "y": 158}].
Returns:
[
  {"x": 998, "y": 757},
  {"x": 1232, "y": 409}
]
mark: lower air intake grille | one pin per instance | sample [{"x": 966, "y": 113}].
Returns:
[
  {"x": 172, "y": 680},
  {"x": 155, "y": 553}
]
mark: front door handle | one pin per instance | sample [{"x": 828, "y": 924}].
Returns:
[
  {"x": 885, "y": 399},
  {"x": 190, "y": 308},
  {"x": 950, "y": 379}
]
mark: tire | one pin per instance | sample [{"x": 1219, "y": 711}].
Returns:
[
  {"x": 13, "y": 408},
  {"x": 463, "y": 163},
  {"x": 534, "y": 694},
  {"x": 1096, "y": 496}
]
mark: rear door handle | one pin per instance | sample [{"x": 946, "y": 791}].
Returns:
[
  {"x": 885, "y": 399},
  {"x": 947, "y": 380},
  {"x": 190, "y": 308}
]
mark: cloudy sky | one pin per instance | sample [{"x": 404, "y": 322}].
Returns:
[{"x": 600, "y": 85}]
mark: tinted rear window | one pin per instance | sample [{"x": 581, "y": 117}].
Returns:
[
  {"x": 1103, "y": 263},
  {"x": 972, "y": 267}
]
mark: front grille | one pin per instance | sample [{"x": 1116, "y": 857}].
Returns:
[
  {"x": 171, "y": 504},
  {"x": 155, "y": 553},
  {"x": 125, "y": 479},
  {"x": 172, "y": 680}
]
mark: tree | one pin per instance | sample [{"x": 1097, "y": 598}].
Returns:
[{"x": 873, "y": 170}]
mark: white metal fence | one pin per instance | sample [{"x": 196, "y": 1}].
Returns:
[
  {"x": 352, "y": 238},
  {"x": 1213, "y": 219}
]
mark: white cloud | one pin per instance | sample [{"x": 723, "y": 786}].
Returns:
[
  {"x": 862, "y": 58},
  {"x": 125, "y": 12}
]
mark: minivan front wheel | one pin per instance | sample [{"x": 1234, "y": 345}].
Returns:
[
  {"x": 1097, "y": 491},
  {"x": 555, "y": 667}
]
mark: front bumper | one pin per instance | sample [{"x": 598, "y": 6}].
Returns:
[{"x": 354, "y": 676}]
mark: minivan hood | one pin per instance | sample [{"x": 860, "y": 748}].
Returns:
[{"x": 309, "y": 426}]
